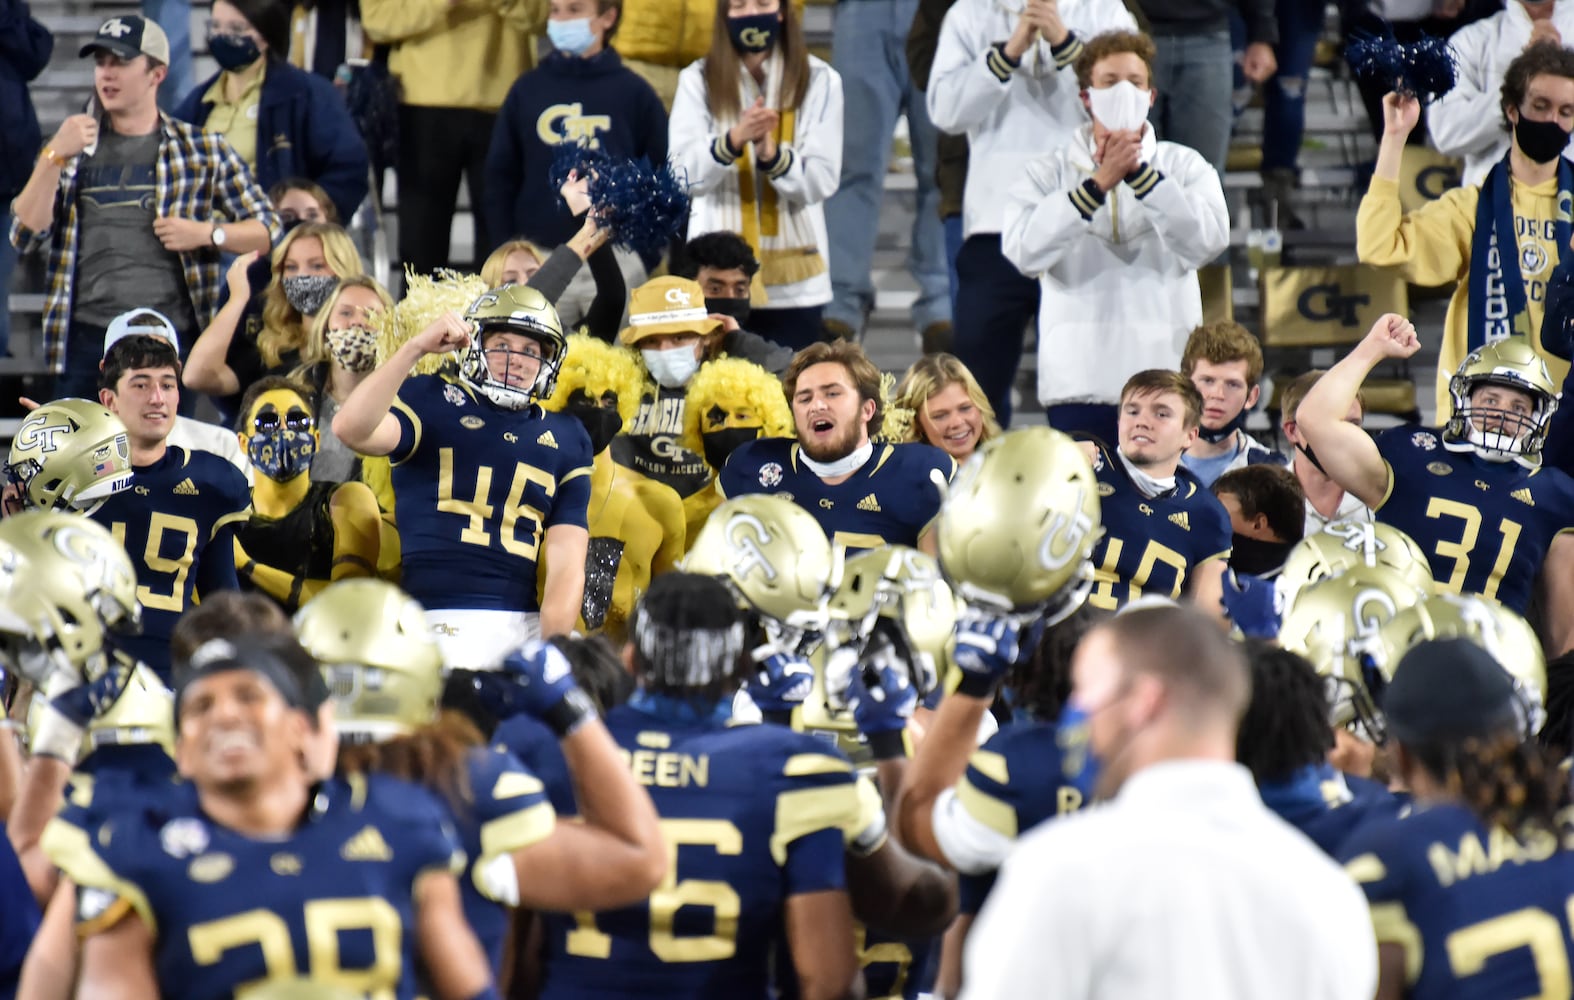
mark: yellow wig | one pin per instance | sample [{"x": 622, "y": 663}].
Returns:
[
  {"x": 751, "y": 395},
  {"x": 598, "y": 367},
  {"x": 424, "y": 300}
]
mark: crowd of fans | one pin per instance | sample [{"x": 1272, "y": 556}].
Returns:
[{"x": 325, "y": 605}]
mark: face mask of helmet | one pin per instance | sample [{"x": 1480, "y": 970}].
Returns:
[
  {"x": 1495, "y": 433},
  {"x": 308, "y": 293}
]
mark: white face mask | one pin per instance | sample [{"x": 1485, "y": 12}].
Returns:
[
  {"x": 673, "y": 367},
  {"x": 1122, "y": 107}
]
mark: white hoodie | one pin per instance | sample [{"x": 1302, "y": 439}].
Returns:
[
  {"x": 1468, "y": 121},
  {"x": 1118, "y": 291},
  {"x": 1009, "y": 115}
]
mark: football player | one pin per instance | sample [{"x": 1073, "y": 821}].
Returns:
[
  {"x": 1285, "y": 739},
  {"x": 864, "y": 495},
  {"x": 240, "y": 874},
  {"x": 488, "y": 486},
  {"x": 1164, "y": 532},
  {"x": 178, "y": 519},
  {"x": 384, "y": 670},
  {"x": 1470, "y": 890},
  {"x": 636, "y": 524},
  {"x": 301, "y": 535},
  {"x": 1473, "y": 494},
  {"x": 753, "y": 816}
]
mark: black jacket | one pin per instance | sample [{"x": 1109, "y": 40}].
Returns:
[
  {"x": 25, "y": 48},
  {"x": 1196, "y": 17}
]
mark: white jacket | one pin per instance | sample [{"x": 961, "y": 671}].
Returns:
[
  {"x": 1009, "y": 119},
  {"x": 1118, "y": 292},
  {"x": 812, "y": 177},
  {"x": 1468, "y": 121}
]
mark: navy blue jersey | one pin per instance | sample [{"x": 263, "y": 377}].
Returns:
[
  {"x": 114, "y": 778},
  {"x": 228, "y": 910},
  {"x": 1327, "y": 806},
  {"x": 19, "y": 917},
  {"x": 536, "y": 746},
  {"x": 177, "y": 522},
  {"x": 752, "y": 815},
  {"x": 1485, "y": 526},
  {"x": 1151, "y": 544},
  {"x": 508, "y": 811},
  {"x": 1479, "y": 913},
  {"x": 475, "y": 489},
  {"x": 890, "y": 501}
]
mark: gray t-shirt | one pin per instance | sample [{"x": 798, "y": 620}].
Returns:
[
  {"x": 334, "y": 462},
  {"x": 121, "y": 264}
]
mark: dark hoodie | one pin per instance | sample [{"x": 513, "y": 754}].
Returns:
[{"x": 568, "y": 97}]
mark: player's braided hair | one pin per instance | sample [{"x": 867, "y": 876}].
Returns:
[
  {"x": 1286, "y": 723},
  {"x": 435, "y": 756},
  {"x": 1508, "y": 782},
  {"x": 1041, "y": 683}
]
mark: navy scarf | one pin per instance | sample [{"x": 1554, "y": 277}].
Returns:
[{"x": 1498, "y": 304}]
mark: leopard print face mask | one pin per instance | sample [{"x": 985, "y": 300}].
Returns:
[{"x": 355, "y": 348}]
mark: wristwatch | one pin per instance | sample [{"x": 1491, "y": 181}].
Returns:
[{"x": 218, "y": 235}]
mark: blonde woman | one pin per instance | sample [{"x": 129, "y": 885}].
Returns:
[
  {"x": 340, "y": 351},
  {"x": 305, "y": 266},
  {"x": 757, "y": 126},
  {"x": 949, "y": 409}
]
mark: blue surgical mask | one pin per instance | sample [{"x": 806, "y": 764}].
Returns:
[
  {"x": 572, "y": 36},
  {"x": 673, "y": 367}
]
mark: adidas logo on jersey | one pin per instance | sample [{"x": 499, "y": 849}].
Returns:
[
  {"x": 547, "y": 439},
  {"x": 1523, "y": 496},
  {"x": 870, "y": 504},
  {"x": 1182, "y": 520},
  {"x": 368, "y": 845},
  {"x": 186, "y": 488}
]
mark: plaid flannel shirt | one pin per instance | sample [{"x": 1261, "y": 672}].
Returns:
[{"x": 199, "y": 177}]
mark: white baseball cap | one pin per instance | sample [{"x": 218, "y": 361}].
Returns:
[{"x": 150, "y": 323}]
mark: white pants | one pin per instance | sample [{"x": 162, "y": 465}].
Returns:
[{"x": 479, "y": 640}]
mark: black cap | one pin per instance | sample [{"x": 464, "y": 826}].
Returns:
[
  {"x": 129, "y": 36},
  {"x": 1447, "y": 690}
]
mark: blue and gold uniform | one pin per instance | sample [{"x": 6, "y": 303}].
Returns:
[
  {"x": 1025, "y": 774},
  {"x": 508, "y": 811},
  {"x": 1327, "y": 806},
  {"x": 889, "y": 501},
  {"x": 1479, "y": 913},
  {"x": 752, "y": 815},
  {"x": 177, "y": 522},
  {"x": 22, "y": 917},
  {"x": 1485, "y": 526},
  {"x": 331, "y": 902},
  {"x": 1151, "y": 544},
  {"x": 476, "y": 487}
]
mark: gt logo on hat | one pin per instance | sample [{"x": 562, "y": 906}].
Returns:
[{"x": 130, "y": 36}]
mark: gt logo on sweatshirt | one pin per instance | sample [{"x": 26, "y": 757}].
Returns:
[{"x": 568, "y": 123}]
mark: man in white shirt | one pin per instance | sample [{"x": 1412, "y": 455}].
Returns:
[
  {"x": 1185, "y": 885},
  {"x": 1467, "y": 121},
  {"x": 1326, "y": 500}
]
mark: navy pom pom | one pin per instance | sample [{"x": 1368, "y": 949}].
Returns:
[
  {"x": 642, "y": 208},
  {"x": 1423, "y": 69}
]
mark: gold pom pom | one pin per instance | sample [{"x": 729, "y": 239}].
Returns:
[
  {"x": 424, "y": 300},
  {"x": 897, "y": 426}
]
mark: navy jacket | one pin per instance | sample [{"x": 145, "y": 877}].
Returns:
[
  {"x": 25, "y": 47},
  {"x": 303, "y": 130},
  {"x": 564, "y": 99}
]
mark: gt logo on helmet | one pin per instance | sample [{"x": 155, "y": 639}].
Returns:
[
  {"x": 40, "y": 433},
  {"x": 748, "y": 536},
  {"x": 1069, "y": 530}
]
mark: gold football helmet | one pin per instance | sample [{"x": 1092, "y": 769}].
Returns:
[
  {"x": 1343, "y": 545},
  {"x": 1019, "y": 524},
  {"x": 379, "y": 657},
  {"x": 144, "y": 713},
  {"x": 513, "y": 309},
  {"x": 905, "y": 587},
  {"x": 65, "y": 584},
  {"x": 1498, "y": 433},
  {"x": 1334, "y": 623},
  {"x": 772, "y": 554},
  {"x": 1483, "y": 621},
  {"x": 69, "y": 454}
]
